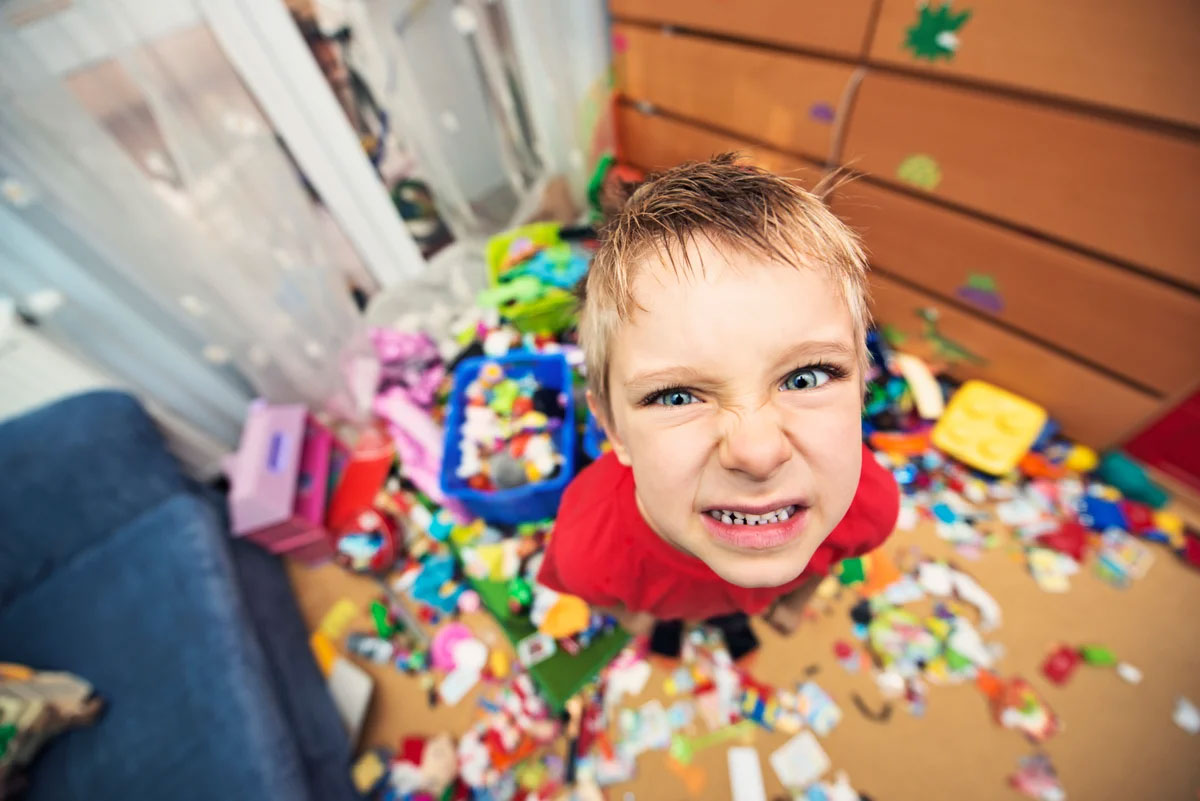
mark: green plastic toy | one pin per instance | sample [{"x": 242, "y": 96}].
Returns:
[
  {"x": 1130, "y": 478},
  {"x": 683, "y": 748},
  {"x": 520, "y": 594},
  {"x": 851, "y": 571},
  {"x": 383, "y": 624},
  {"x": 1098, "y": 655}
]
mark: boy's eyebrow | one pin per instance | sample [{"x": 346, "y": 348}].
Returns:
[
  {"x": 818, "y": 347},
  {"x": 684, "y": 375},
  {"x": 669, "y": 375}
]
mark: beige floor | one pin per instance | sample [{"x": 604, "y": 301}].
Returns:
[{"x": 1118, "y": 742}]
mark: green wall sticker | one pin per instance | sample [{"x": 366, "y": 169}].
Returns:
[
  {"x": 920, "y": 170},
  {"x": 893, "y": 335},
  {"x": 935, "y": 33},
  {"x": 943, "y": 346}
]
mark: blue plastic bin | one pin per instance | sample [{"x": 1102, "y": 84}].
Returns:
[
  {"x": 593, "y": 438},
  {"x": 536, "y": 501}
]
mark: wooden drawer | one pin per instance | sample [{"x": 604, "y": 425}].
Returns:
[
  {"x": 1118, "y": 189},
  {"x": 654, "y": 142},
  {"x": 812, "y": 24},
  {"x": 1092, "y": 407},
  {"x": 1141, "y": 57},
  {"x": 779, "y": 99},
  {"x": 1132, "y": 325}
]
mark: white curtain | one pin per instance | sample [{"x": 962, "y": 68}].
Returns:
[
  {"x": 151, "y": 221},
  {"x": 505, "y": 103},
  {"x": 563, "y": 55}
]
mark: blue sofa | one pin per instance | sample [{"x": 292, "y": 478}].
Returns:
[{"x": 116, "y": 567}]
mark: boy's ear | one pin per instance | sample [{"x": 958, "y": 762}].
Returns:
[{"x": 602, "y": 417}]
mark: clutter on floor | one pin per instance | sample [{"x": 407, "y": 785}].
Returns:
[
  {"x": 36, "y": 705},
  {"x": 447, "y": 502}
]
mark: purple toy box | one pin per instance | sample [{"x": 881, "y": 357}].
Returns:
[{"x": 279, "y": 482}]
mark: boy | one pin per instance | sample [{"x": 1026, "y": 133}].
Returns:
[{"x": 723, "y": 323}]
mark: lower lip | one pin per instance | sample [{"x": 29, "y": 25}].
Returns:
[{"x": 756, "y": 538}]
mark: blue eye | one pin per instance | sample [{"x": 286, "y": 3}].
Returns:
[
  {"x": 675, "y": 397},
  {"x": 806, "y": 378}
]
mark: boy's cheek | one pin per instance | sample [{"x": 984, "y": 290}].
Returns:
[{"x": 669, "y": 450}]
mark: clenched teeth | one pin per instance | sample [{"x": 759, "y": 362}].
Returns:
[{"x": 731, "y": 517}]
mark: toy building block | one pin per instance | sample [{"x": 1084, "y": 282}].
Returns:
[{"x": 988, "y": 428}]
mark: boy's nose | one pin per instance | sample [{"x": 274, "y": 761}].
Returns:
[{"x": 754, "y": 443}]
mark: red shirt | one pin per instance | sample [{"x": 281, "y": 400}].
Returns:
[{"x": 603, "y": 551}]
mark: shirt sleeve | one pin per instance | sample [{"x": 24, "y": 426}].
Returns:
[
  {"x": 869, "y": 521},
  {"x": 875, "y": 508},
  {"x": 576, "y": 547}
]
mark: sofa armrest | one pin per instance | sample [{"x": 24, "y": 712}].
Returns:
[{"x": 71, "y": 473}]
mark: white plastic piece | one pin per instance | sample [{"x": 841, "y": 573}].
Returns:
[
  {"x": 496, "y": 343},
  {"x": 927, "y": 394},
  {"x": 457, "y": 684},
  {"x": 745, "y": 774},
  {"x": 1129, "y": 673},
  {"x": 970, "y": 591},
  {"x": 965, "y": 640},
  {"x": 1186, "y": 716},
  {"x": 627, "y": 680},
  {"x": 841, "y": 790},
  {"x": 351, "y": 688},
  {"x": 798, "y": 763},
  {"x": 936, "y": 578},
  {"x": 654, "y": 724},
  {"x": 890, "y": 684}
]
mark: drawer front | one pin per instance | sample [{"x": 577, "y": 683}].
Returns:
[
  {"x": 1069, "y": 390},
  {"x": 783, "y": 100},
  {"x": 1124, "y": 191},
  {"x": 654, "y": 142},
  {"x": 1138, "y": 57},
  {"x": 1132, "y": 325},
  {"x": 808, "y": 24}
]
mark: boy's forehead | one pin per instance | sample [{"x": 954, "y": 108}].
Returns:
[
  {"x": 732, "y": 310},
  {"x": 676, "y": 274}
]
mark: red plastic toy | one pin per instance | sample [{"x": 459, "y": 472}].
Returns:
[
  {"x": 1061, "y": 663},
  {"x": 1071, "y": 539}
]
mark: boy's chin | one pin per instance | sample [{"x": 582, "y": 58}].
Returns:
[{"x": 755, "y": 572}]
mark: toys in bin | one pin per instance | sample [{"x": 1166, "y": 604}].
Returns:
[
  {"x": 531, "y": 270},
  {"x": 509, "y": 449},
  {"x": 508, "y": 432}
]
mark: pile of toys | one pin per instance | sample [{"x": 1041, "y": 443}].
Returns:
[
  {"x": 923, "y": 623},
  {"x": 990, "y": 463},
  {"x": 532, "y": 271},
  {"x": 447, "y": 505}
]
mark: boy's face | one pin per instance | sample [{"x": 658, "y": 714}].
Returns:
[{"x": 735, "y": 392}]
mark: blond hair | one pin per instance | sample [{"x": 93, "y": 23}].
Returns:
[{"x": 735, "y": 206}]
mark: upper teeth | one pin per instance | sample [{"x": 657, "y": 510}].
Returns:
[{"x": 732, "y": 517}]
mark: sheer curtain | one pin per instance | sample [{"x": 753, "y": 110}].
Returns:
[
  {"x": 151, "y": 221},
  {"x": 506, "y": 104}
]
